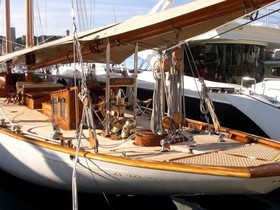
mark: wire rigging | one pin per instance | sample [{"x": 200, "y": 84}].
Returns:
[
  {"x": 114, "y": 12},
  {"x": 92, "y": 14},
  {"x": 82, "y": 15},
  {"x": 39, "y": 23}
]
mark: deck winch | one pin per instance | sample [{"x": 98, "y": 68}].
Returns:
[
  {"x": 180, "y": 138},
  {"x": 56, "y": 134}
]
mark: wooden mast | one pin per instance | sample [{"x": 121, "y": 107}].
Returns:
[
  {"x": 29, "y": 33},
  {"x": 29, "y": 23},
  {"x": 8, "y": 33}
]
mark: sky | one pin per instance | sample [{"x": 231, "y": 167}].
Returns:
[{"x": 54, "y": 17}]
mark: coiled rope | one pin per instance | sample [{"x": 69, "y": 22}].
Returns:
[{"x": 158, "y": 98}]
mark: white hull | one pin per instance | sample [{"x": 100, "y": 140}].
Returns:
[
  {"x": 53, "y": 169},
  {"x": 187, "y": 158}
]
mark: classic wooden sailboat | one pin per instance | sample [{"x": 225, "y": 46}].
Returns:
[{"x": 54, "y": 140}]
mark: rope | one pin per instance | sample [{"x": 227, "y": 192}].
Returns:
[
  {"x": 40, "y": 23},
  {"x": 189, "y": 54},
  {"x": 204, "y": 98},
  {"x": 92, "y": 13},
  {"x": 114, "y": 12},
  {"x": 158, "y": 99},
  {"x": 209, "y": 106},
  {"x": 74, "y": 174},
  {"x": 175, "y": 89},
  {"x": 87, "y": 115},
  {"x": 82, "y": 15}
]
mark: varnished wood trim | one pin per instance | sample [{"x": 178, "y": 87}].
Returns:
[{"x": 243, "y": 172}]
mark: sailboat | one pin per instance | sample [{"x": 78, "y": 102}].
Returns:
[{"x": 103, "y": 146}]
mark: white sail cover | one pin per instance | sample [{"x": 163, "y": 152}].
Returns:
[{"x": 149, "y": 31}]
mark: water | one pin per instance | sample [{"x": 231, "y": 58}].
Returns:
[{"x": 16, "y": 194}]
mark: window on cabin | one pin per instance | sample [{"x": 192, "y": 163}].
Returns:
[
  {"x": 62, "y": 108},
  {"x": 54, "y": 106}
]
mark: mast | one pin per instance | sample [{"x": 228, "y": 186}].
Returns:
[
  {"x": 29, "y": 23},
  {"x": 29, "y": 37},
  {"x": 8, "y": 27},
  {"x": 8, "y": 32}
]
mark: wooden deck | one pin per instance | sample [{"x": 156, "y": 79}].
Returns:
[{"x": 208, "y": 150}]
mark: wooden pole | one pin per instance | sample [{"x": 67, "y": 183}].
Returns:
[
  {"x": 8, "y": 34},
  {"x": 29, "y": 23},
  {"x": 8, "y": 27},
  {"x": 135, "y": 80},
  {"x": 29, "y": 33},
  {"x": 107, "y": 94}
]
